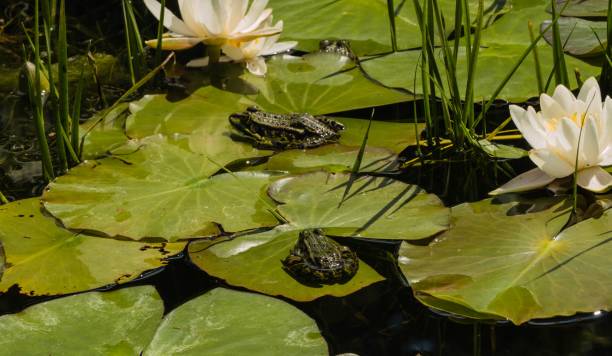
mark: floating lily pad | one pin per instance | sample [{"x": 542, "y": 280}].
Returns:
[
  {"x": 111, "y": 323},
  {"x": 364, "y": 22},
  {"x": 254, "y": 261},
  {"x": 158, "y": 190},
  {"x": 44, "y": 259},
  {"x": 582, "y": 8},
  {"x": 397, "y": 70},
  {"x": 518, "y": 265},
  {"x": 395, "y": 136},
  {"x": 375, "y": 207},
  {"x": 579, "y": 37},
  {"x": 334, "y": 158},
  {"x": 293, "y": 84},
  {"x": 226, "y": 322},
  {"x": 498, "y": 150},
  {"x": 319, "y": 83},
  {"x": 99, "y": 138}
]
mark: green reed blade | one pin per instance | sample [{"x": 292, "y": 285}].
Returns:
[
  {"x": 3, "y": 199},
  {"x": 391, "y": 13},
  {"x": 62, "y": 73},
  {"x": 536, "y": 59},
  {"x": 561, "y": 75},
  {"x": 160, "y": 33}
]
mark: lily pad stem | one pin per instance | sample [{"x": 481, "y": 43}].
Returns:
[{"x": 214, "y": 53}]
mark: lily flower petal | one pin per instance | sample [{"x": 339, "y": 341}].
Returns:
[
  {"x": 589, "y": 144},
  {"x": 523, "y": 122},
  {"x": 171, "y": 22},
  {"x": 257, "y": 66},
  {"x": 175, "y": 43},
  {"x": 529, "y": 180},
  {"x": 551, "y": 163},
  {"x": 565, "y": 98},
  {"x": 595, "y": 179}
]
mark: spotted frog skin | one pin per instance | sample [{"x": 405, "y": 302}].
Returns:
[
  {"x": 284, "y": 131},
  {"x": 341, "y": 47},
  {"x": 317, "y": 259}
]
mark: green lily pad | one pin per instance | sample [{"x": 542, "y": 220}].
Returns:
[
  {"x": 44, "y": 259},
  {"x": 516, "y": 265},
  {"x": 498, "y": 150},
  {"x": 395, "y": 136},
  {"x": 227, "y": 322},
  {"x": 253, "y": 261},
  {"x": 334, "y": 158},
  {"x": 398, "y": 70},
  {"x": 319, "y": 83},
  {"x": 375, "y": 207},
  {"x": 579, "y": 37},
  {"x": 158, "y": 190},
  {"x": 582, "y": 8},
  {"x": 99, "y": 138},
  {"x": 364, "y": 22},
  {"x": 293, "y": 84},
  {"x": 96, "y": 323}
]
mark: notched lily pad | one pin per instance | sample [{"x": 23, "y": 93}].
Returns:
[
  {"x": 516, "y": 266},
  {"x": 375, "y": 207},
  {"x": 96, "y": 323},
  {"x": 44, "y": 259},
  {"x": 227, "y": 322},
  {"x": 158, "y": 190},
  {"x": 253, "y": 261}
]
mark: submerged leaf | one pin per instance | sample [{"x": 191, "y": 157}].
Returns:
[
  {"x": 43, "y": 258},
  {"x": 158, "y": 190},
  {"x": 97, "y": 323},
  {"x": 518, "y": 265},
  {"x": 227, "y": 322}
]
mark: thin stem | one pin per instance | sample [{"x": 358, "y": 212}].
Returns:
[
  {"x": 214, "y": 53},
  {"x": 391, "y": 11},
  {"x": 3, "y": 199},
  {"x": 536, "y": 59},
  {"x": 160, "y": 33}
]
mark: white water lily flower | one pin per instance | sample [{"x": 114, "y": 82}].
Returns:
[
  {"x": 567, "y": 131},
  {"x": 214, "y": 22},
  {"x": 252, "y": 52}
]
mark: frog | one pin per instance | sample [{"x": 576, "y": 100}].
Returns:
[
  {"x": 317, "y": 259},
  {"x": 274, "y": 131},
  {"x": 341, "y": 47}
]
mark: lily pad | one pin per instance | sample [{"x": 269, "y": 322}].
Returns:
[
  {"x": 96, "y": 323},
  {"x": 375, "y": 207},
  {"x": 44, "y": 259},
  {"x": 226, "y": 322},
  {"x": 498, "y": 150},
  {"x": 579, "y": 37},
  {"x": 395, "y": 136},
  {"x": 582, "y": 8},
  {"x": 100, "y": 138},
  {"x": 397, "y": 70},
  {"x": 293, "y": 84},
  {"x": 319, "y": 83},
  {"x": 253, "y": 261},
  {"x": 158, "y": 190},
  {"x": 518, "y": 265},
  {"x": 334, "y": 158},
  {"x": 364, "y": 22}
]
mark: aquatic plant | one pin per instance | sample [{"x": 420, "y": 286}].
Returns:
[
  {"x": 569, "y": 135},
  {"x": 218, "y": 23}
]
